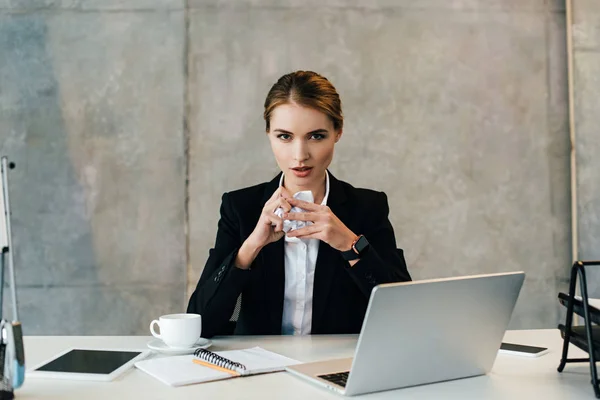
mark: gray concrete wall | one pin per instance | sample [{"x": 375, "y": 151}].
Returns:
[
  {"x": 586, "y": 80},
  {"x": 457, "y": 110},
  {"x": 91, "y": 111}
]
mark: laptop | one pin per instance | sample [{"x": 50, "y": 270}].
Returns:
[{"x": 422, "y": 332}]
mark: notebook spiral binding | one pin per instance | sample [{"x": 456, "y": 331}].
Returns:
[{"x": 215, "y": 359}]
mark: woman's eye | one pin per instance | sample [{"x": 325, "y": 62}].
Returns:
[
  {"x": 317, "y": 136},
  {"x": 284, "y": 136}
]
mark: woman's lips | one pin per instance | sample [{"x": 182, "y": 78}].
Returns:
[{"x": 302, "y": 172}]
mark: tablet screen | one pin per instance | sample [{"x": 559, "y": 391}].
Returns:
[{"x": 89, "y": 361}]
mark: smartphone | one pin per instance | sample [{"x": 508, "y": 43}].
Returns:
[{"x": 522, "y": 350}]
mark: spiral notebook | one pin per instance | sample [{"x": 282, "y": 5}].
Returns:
[{"x": 207, "y": 366}]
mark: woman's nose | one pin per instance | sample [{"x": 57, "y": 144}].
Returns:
[{"x": 300, "y": 151}]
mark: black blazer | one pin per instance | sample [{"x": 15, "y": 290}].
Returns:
[{"x": 341, "y": 293}]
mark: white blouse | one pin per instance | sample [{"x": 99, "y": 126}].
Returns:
[{"x": 300, "y": 261}]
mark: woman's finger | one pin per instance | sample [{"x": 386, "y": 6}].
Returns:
[
  {"x": 305, "y": 205},
  {"x": 285, "y": 205},
  {"x": 277, "y": 203},
  {"x": 308, "y": 232},
  {"x": 301, "y": 216},
  {"x": 273, "y": 219},
  {"x": 275, "y": 195},
  {"x": 278, "y": 226},
  {"x": 272, "y": 204},
  {"x": 285, "y": 193}
]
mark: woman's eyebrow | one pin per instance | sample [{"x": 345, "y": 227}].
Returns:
[
  {"x": 317, "y": 131},
  {"x": 321, "y": 130}
]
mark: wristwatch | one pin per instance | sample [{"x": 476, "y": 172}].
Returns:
[{"x": 359, "y": 248}]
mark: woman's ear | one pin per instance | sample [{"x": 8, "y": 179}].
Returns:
[{"x": 338, "y": 135}]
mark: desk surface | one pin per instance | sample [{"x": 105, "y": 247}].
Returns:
[{"x": 512, "y": 377}]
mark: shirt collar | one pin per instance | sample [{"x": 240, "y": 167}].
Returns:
[{"x": 324, "y": 202}]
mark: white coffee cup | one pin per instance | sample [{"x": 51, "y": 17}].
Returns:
[{"x": 179, "y": 331}]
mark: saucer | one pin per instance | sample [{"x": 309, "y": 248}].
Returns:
[{"x": 160, "y": 347}]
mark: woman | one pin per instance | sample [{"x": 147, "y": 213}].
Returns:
[{"x": 317, "y": 278}]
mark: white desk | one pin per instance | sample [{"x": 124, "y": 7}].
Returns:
[{"x": 511, "y": 378}]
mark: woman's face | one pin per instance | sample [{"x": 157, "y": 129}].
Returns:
[{"x": 302, "y": 140}]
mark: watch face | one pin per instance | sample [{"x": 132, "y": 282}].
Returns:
[{"x": 361, "y": 244}]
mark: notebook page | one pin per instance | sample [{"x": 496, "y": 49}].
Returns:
[
  {"x": 258, "y": 360},
  {"x": 180, "y": 370}
]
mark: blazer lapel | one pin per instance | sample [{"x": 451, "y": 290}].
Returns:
[
  {"x": 273, "y": 270},
  {"x": 328, "y": 258}
]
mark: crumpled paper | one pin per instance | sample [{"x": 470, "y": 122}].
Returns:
[{"x": 291, "y": 225}]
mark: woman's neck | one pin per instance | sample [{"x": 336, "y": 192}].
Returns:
[{"x": 318, "y": 189}]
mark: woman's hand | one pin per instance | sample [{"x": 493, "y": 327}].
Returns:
[
  {"x": 325, "y": 225},
  {"x": 269, "y": 228}
]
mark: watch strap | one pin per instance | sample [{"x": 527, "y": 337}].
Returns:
[{"x": 354, "y": 253}]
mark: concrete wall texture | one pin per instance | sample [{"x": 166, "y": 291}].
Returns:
[
  {"x": 586, "y": 83},
  {"x": 129, "y": 118}
]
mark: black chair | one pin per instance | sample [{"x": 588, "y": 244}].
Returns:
[
  {"x": 587, "y": 336},
  {"x": 230, "y": 328}
]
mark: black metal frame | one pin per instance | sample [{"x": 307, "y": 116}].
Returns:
[{"x": 579, "y": 269}]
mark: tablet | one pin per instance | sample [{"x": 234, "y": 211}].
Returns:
[
  {"x": 88, "y": 364},
  {"x": 522, "y": 350}
]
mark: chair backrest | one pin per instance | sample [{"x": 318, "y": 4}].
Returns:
[{"x": 236, "y": 310}]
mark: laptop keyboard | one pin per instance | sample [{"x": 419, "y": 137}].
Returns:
[{"x": 339, "y": 378}]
